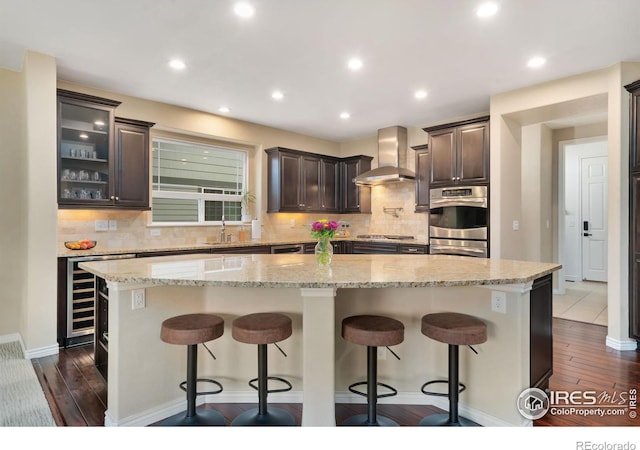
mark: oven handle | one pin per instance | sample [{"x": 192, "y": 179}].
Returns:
[
  {"x": 453, "y": 250},
  {"x": 444, "y": 202}
]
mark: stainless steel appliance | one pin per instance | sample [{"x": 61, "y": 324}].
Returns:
[
  {"x": 81, "y": 293},
  {"x": 287, "y": 248},
  {"x": 459, "y": 221}
]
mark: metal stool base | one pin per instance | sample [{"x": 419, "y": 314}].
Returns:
[
  {"x": 203, "y": 417},
  {"x": 362, "y": 420},
  {"x": 442, "y": 420},
  {"x": 273, "y": 417}
]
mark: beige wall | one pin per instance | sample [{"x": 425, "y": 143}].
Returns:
[
  {"x": 579, "y": 96},
  {"x": 13, "y": 233}
]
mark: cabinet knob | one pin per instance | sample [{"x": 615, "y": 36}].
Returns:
[
  {"x": 112, "y": 197},
  {"x": 117, "y": 198},
  {"x": 453, "y": 178}
]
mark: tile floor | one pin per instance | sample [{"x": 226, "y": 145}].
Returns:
[{"x": 583, "y": 301}]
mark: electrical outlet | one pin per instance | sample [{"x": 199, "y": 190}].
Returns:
[
  {"x": 154, "y": 232},
  {"x": 102, "y": 225},
  {"x": 137, "y": 299},
  {"x": 292, "y": 223},
  {"x": 113, "y": 225},
  {"x": 516, "y": 225},
  {"x": 382, "y": 353},
  {"x": 499, "y": 302}
]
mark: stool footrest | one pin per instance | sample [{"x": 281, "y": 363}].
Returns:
[
  {"x": 364, "y": 394},
  {"x": 183, "y": 386},
  {"x": 270, "y": 391},
  {"x": 461, "y": 386}
]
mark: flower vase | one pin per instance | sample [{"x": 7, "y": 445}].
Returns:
[{"x": 323, "y": 251}]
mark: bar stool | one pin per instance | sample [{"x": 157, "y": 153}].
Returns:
[
  {"x": 191, "y": 330},
  {"x": 454, "y": 329},
  {"x": 372, "y": 331},
  {"x": 263, "y": 329}
]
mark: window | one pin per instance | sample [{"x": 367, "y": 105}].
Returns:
[{"x": 197, "y": 183}]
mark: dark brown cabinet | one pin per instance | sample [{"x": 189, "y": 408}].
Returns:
[
  {"x": 355, "y": 199},
  {"x": 131, "y": 184},
  {"x": 423, "y": 174},
  {"x": 103, "y": 161},
  {"x": 459, "y": 153},
  {"x": 307, "y": 182},
  {"x": 634, "y": 211},
  {"x": 541, "y": 333}
]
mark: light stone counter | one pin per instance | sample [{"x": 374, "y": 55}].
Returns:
[{"x": 143, "y": 371}]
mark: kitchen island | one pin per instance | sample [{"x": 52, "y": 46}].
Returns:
[{"x": 143, "y": 372}]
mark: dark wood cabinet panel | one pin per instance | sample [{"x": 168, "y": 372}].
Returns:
[
  {"x": 132, "y": 158},
  {"x": 290, "y": 184},
  {"x": 311, "y": 183},
  {"x": 329, "y": 190},
  {"x": 355, "y": 199},
  {"x": 459, "y": 152},
  {"x": 541, "y": 334},
  {"x": 248, "y": 250},
  {"x": 422, "y": 177},
  {"x": 373, "y": 248},
  {"x": 634, "y": 210}
]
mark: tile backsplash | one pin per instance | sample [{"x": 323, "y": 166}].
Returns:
[{"x": 132, "y": 228}]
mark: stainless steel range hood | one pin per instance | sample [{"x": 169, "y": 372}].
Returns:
[{"x": 392, "y": 159}]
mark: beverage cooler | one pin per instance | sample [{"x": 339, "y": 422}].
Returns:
[{"x": 76, "y": 312}]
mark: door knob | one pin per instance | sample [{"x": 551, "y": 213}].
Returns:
[{"x": 587, "y": 234}]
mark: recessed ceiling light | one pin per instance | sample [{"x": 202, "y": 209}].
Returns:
[
  {"x": 536, "y": 62},
  {"x": 345, "y": 115},
  {"x": 487, "y": 9},
  {"x": 224, "y": 109},
  {"x": 355, "y": 64},
  {"x": 277, "y": 95},
  {"x": 177, "y": 64},
  {"x": 420, "y": 94},
  {"x": 244, "y": 10}
]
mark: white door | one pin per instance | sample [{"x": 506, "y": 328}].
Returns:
[{"x": 594, "y": 218}]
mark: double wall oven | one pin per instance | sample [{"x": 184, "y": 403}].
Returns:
[{"x": 458, "y": 221}]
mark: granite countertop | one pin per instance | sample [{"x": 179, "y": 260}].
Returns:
[
  {"x": 102, "y": 249},
  {"x": 301, "y": 271}
]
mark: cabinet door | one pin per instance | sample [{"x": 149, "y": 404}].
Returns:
[
  {"x": 541, "y": 333},
  {"x": 310, "y": 184},
  {"x": 422, "y": 180},
  {"x": 132, "y": 156},
  {"x": 290, "y": 181},
  {"x": 473, "y": 153},
  {"x": 442, "y": 147},
  {"x": 634, "y": 136},
  {"x": 329, "y": 186},
  {"x": 85, "y": 152},
  {"x": 355, "y": 199}
]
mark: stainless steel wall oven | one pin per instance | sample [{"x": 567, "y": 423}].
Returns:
[{"x": 459, "y": 221}]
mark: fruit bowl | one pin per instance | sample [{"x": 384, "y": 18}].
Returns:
[{"x": 83, "y": 244}]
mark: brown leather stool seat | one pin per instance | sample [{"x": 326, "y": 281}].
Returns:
[
  {"x": 191, "y": 330},
  {"x": 454, "y": 329},
  {"x": 372, "y": 331},
  {"x": 263, "y": 329}
]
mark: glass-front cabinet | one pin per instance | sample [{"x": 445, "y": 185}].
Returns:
[{"x": 85, "y": 149}]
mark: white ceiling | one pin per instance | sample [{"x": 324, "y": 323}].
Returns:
[{"x": 302, "y": 46}]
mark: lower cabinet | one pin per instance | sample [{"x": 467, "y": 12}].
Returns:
[
  {"x": 248, "y": 250},
  {"x": 541, "y": 336},
  {"x": 101, "y": 341},
  {"x": 374, "y": 248}
]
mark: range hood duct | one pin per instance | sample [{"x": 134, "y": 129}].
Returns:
[{"x": 392, "y": 159}]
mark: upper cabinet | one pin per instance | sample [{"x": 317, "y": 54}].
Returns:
[
  {"x": 102, "y": 162},
  {"x": 355, "y": 199},
  {"x": 307, "y": 182},
  {"x": 423, "y": 174},
  {"x": 459, "y": 152}
]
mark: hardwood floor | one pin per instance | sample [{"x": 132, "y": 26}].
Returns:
[{"x": 77, "y": 393}]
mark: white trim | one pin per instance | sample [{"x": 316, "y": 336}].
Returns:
[
  {"x": 617, "y": 344},
  {"x": 318, "y": 292},
  {"x": 168, "y": 409},
  {"x": 126, "y": 286},
  {"x": 42, "y": 352},
  {"x": 520, "y": 288}
]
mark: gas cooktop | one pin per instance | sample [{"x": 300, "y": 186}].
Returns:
[{"x": 384, "y": 236}]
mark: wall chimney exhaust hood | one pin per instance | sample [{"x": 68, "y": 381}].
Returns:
[{"x": 392, "y": 159}]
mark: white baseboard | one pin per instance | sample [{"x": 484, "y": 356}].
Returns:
[
  {"x": 622, "y": 345},
  {"x": 33, "y": 353},
  {"x": 404, "y": 398}
]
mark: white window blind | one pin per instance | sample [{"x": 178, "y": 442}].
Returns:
[{"x": 197, "y": 183}]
